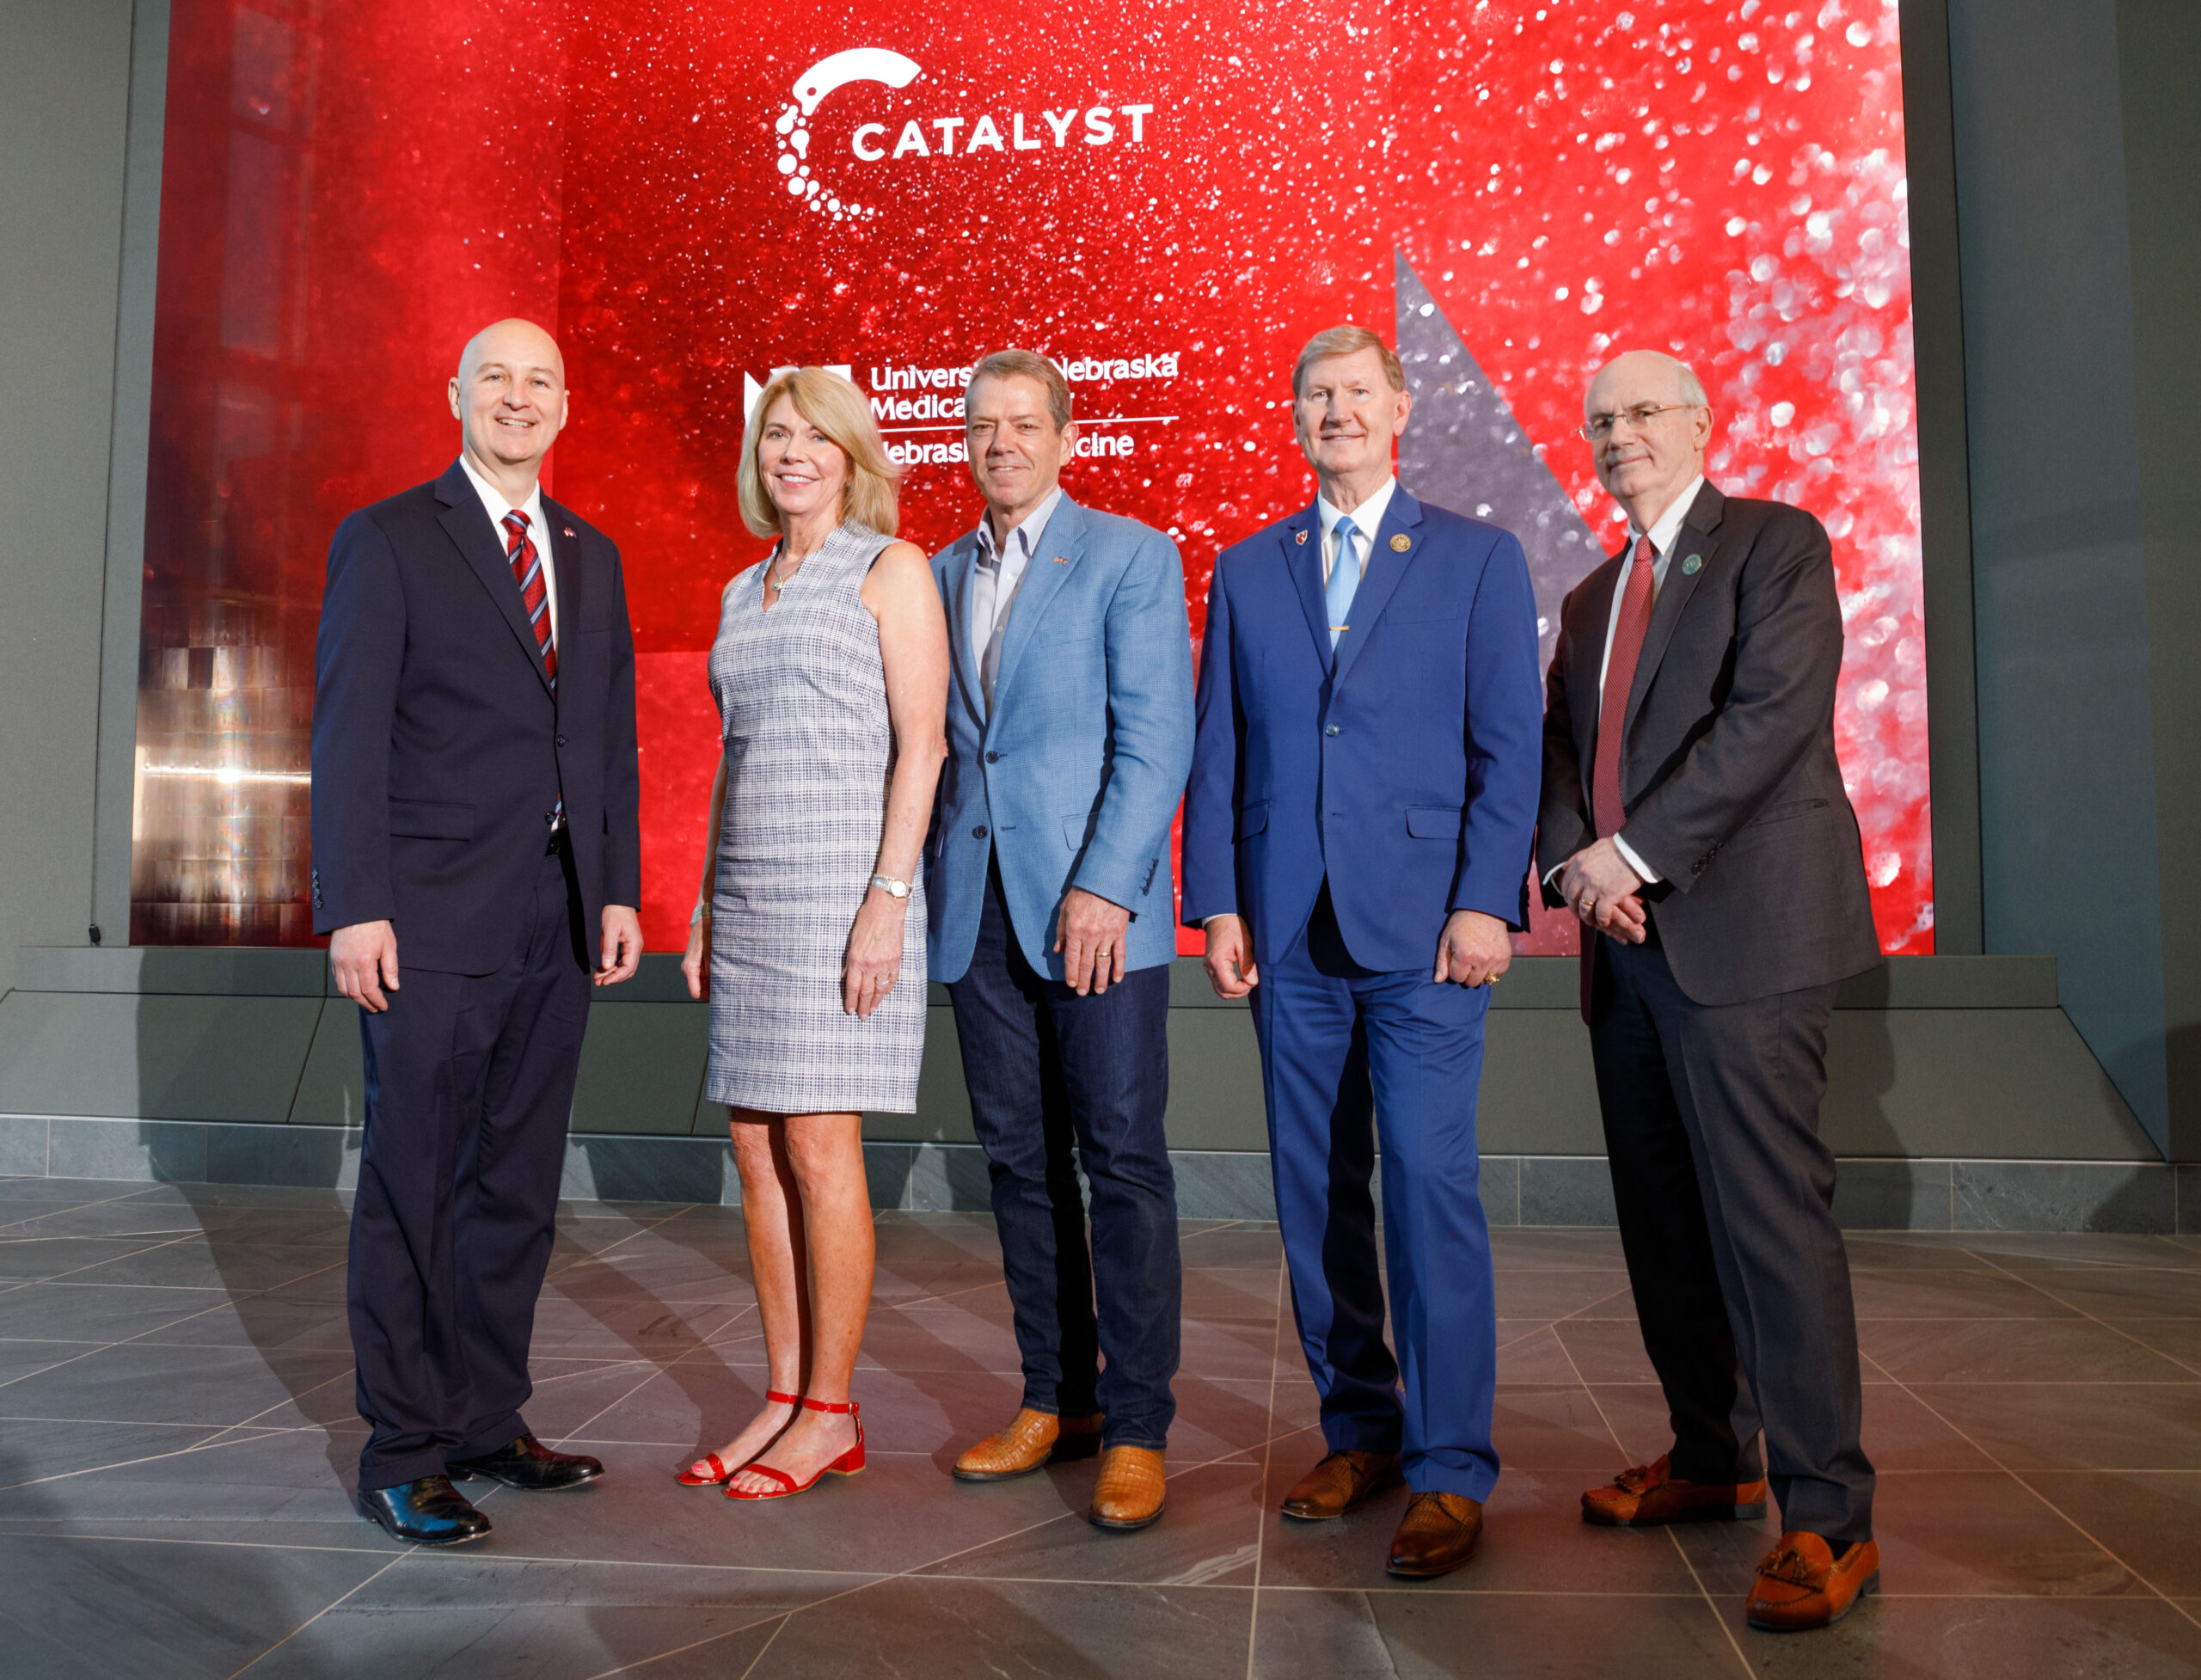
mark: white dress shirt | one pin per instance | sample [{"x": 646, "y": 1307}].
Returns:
[
  {"x": 995, "y": 581},
  {"x": 494, "y": 505},
  {"x": 1664, "y": 530},
  {"x": 1366, "y": 518}
]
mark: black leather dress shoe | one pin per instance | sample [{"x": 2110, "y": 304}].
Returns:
[
  {"x": 525, "y": 1462},
  {"x": 427, "y": 1512}
]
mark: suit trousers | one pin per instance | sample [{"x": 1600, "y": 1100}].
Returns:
[
  {"x": 469, "y": 1086},
  {"x": 1725, "y": 1194},
  {"x": 1059, "y": 1083},
  {"x": 1348, "y": 1055}
]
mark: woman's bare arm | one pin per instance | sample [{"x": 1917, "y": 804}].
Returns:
[{"x": 913, "y": 649}]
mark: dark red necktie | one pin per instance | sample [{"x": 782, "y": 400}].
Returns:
[
  {"x": 527, "y": 571},
  {"x": 1605, "y": 806}
]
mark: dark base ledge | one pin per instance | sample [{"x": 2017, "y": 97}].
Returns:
[{"x": 1873, "y": 1194}]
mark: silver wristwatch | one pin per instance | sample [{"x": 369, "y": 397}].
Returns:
[{"x": 890, "y": 887}]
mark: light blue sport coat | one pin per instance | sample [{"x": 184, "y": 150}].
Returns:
[{"x": 1075, "y": 778}]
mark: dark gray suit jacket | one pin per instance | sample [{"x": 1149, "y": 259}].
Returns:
[{"x": 1727, "y": 769}]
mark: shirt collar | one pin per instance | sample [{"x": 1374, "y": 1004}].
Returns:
[
  {"x": 1027, "y": 533},
  {"x": 494, "y": 503},
  {"x": 1668, "y": 525},
  {"x": 1365, "y": 518}
]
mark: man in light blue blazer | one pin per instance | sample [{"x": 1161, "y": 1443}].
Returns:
[
  {"x": 1048, "y": 881},
  {"x": 1356, "y": 836}
]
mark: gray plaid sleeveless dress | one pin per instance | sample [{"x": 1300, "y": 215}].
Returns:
[{"x": 802, "y": 709}]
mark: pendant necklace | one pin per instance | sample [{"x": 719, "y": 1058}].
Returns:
[{"x": 775, "y": 584}]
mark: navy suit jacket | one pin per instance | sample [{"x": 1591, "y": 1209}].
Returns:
[
  {"x": 1407, "y": 775},
  {"x": 439, "y": 747}
]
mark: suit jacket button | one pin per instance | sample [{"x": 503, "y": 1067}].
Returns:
[
  {"x": 993, "y": 757},
  {"x": 980, "y": 832},
  {"x": 1330, "y": 729},
  {"x": 562, "y": 740}
]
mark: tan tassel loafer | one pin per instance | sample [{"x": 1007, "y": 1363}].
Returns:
[
  {"x": 1032, "y": 1441},
  {"x": 1650, "y": 1493},
  {"x": 1801, "y": 1584},
  {"x": 1129, "y": 1493}
]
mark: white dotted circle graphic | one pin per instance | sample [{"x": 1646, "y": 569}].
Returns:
[
  {"x": 795, "y": 165},
  {"x": 857, "y": 64}
]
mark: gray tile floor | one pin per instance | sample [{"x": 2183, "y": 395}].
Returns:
[{"x": 176, "y": 1439}]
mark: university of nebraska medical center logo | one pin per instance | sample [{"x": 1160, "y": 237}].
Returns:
[{"x": 1094, "y": 125}]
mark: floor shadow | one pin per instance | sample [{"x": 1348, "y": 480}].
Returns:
[
  {"x": 277, "y": 1253},
  {"x": 662, "y": 1333}
]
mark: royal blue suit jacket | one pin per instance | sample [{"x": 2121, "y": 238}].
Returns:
[
  {"x": 439, "y": 747},
  {"x": 1407, "y": 775},
  {"x": 1073, "y": 779}
]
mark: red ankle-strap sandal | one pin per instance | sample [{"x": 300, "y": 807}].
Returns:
[
  {"x": 719, "y": 1471},
  {"x": 846, "y": 1465}
]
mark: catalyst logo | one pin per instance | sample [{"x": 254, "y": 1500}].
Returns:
[{"x": 951, "y": 134}]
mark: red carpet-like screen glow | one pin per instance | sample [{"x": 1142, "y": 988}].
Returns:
[{"x": 1169, "y": 198}]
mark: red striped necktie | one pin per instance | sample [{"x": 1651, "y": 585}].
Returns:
[{"x": 527, "y": 571}]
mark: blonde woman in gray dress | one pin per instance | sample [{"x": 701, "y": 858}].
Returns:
[{"x": 830, "y": 671}]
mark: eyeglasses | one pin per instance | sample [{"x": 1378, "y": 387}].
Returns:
[{"x": 1598, "y": 427}]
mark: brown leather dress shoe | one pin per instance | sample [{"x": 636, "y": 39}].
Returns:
[
  {"x": 1438, "y": 1535},
  {"x": 1801, "y": 1584},
  {"x": 1637, "y": 1499},
  {"x": 1129, "y": 1493},
  {"x": 1031, "y": 1440},
  {"x": 1343, "y": 1481}
]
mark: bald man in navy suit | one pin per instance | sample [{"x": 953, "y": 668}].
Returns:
[{"x": 476, "y": 801}]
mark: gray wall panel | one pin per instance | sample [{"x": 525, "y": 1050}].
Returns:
[
  {"x": 1539, "y": 1096},
  {"x": 156, "y": 1057},
  {"x": 2003, "y": 1084},
  {"x": 64, "y": 86},
  {"x": 1944, "y": 476},
  {"x": 244, "y": 971},
  {"x": 2066, "y": 766},
  {"x": 333, "y": 1089},
  {"x": 641, "y": 1067},
  {"x": 2009, "y": 1081},
  {"x": 2159, "y": 51},
  {"x": 1215, "y": 1081}
]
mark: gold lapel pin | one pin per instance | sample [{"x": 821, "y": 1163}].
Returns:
[
  {"x": 1301, "y": 539},
  {"x": 1401, "y": 543},
  {"x": 571, "y": 533},
  {"x": 1062, "y": 559}
]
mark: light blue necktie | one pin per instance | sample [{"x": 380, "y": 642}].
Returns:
[{"x": 1345, "y": 579}]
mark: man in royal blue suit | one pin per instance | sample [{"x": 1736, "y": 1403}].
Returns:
[
  {"x": 1355, "y": 841},
  {"x": 475, "y": 803}
]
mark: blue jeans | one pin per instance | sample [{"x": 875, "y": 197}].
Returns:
[{"x": 1057, "y": 1082}]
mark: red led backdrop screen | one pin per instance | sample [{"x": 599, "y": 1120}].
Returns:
[{"x": 1169, "y": 198}]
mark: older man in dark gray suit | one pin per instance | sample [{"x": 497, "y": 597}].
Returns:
[{"x": 1693, "y": 817}]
